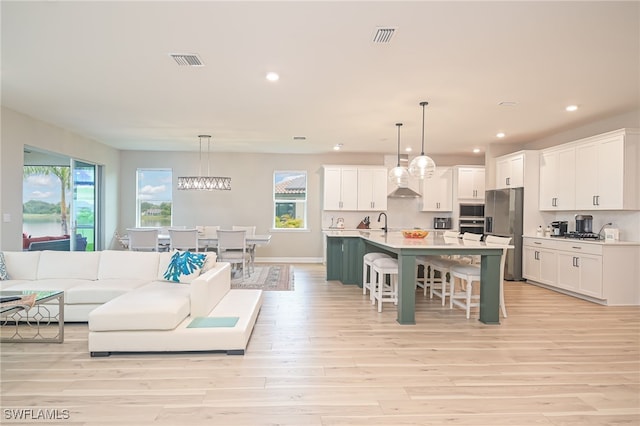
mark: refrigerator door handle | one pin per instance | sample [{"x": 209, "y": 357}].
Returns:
[{"x": 488, "y": 224}]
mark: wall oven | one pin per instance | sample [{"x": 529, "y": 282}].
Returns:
[{"x": 471, "y": 218}]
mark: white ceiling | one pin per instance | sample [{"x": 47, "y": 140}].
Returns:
[{"x": 102, "y": 70}]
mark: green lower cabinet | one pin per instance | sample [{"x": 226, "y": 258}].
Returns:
[{"x": 344, "y": 260}]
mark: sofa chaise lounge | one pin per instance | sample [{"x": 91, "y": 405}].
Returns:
[{"x": 129, "y": 305}]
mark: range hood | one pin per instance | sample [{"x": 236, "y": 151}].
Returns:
[{"x": 403, "y": 191}]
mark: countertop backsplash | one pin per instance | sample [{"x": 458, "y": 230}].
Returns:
[{"x": 401, "y": 214}]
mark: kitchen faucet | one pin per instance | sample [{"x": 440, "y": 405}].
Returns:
[{"x": 385, "y": 221}]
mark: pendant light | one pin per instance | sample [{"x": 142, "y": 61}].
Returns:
[
  {"x": 399, "y": 175},
  {"x": 423, "y": 166},
  {"x": 204, "y": 183}
]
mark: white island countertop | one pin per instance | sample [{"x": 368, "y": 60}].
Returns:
[{"x": 395, "y": 239}]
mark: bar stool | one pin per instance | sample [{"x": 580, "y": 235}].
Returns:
[
  {"x": 385, "y": 292},
  {"x": 367, "y": 272},
  {"x": 427, "y": 276}
]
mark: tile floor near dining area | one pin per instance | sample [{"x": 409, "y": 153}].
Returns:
[{"x": 323, "y": 355}]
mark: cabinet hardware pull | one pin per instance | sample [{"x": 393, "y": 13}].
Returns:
[
  {"x": 508, "y": 181},
  {"x": 577, "y": 262},
  {"x": 593, "y": 200},
  {"x": 537, "y": 242},
  {"x": 577, "y": 248},
  {"x": 597, "y": 200}
]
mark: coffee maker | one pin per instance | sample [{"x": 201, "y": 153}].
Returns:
[
  {"x": 584, "y": 223},
  {"x": 559, "y": 228}
]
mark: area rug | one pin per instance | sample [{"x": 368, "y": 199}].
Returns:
[{"x": 268, "y": 277}]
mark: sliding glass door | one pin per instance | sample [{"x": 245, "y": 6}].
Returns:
[{"x": 84, "y": 206}]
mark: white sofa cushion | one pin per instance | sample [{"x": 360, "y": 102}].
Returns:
[
  {"x": 134, "y": 265},
  {"x": 22, "y": 265},
  {"x": 63, "y": 284},
  {"x": 101, "y": 291},
  {"x": 155, "y": 306},
  {"x": 74, "y": 264}
]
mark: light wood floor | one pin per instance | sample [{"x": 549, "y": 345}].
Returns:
[{"x": 322, "y": 355}]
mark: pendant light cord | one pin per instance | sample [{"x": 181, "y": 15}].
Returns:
[
  {"x": 424, "y": 104},
  {"x": 398, "y": 124}
]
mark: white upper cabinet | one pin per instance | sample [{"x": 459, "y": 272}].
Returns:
[
  {"x": 340, "y": 188},
  {"x": 510, "y": 171},
  {"x": 372, "y": 189},
  {"x": 605, "y": 177},
  {"x": 437, "y": 194},
  {"x": 557, "y": 179},
  {"x": 355, "y": 188},
  {"x": 471, "y": 183}
]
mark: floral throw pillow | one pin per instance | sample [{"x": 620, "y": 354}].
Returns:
[
  {"x": 184, "y": 266},
  {"x": 3, "y": 268}
]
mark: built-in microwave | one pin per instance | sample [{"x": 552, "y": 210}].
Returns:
[{"x": 471, "y": 210}]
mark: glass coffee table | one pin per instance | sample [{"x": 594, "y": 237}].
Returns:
[{"x": 35, "y": 324}]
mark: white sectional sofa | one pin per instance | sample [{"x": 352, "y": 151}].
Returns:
[{"x": 129, "y": 305}]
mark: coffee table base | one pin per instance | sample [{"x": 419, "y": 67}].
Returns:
[{"x": 31, "y": 325}]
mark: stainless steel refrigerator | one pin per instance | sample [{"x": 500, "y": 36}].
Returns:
[{"x": 503, "y": 213}]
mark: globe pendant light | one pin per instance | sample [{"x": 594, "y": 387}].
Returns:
[
  {"x": 423, "y": 166},
  {"x": 399, "y": 175}
]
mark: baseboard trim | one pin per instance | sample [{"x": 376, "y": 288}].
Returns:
[{"x": 288, "y": 260}]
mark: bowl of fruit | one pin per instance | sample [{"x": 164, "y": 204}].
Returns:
[{"x": 414, "y": 233}]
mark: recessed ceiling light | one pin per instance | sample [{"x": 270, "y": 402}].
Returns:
[
  {"x": 572, "y": 108},
  {"x": 476, "y": 150},
  {"x": 337, "y": 147},
  {"x": 272, "y": 76},
  {"x": 500, "y": 135}
]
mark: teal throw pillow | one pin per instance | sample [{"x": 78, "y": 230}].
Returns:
[{"x": 183, "y": 264}]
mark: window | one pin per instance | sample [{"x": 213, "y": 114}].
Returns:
[
  {"x": 290, "y": 199},
  {"x": 153, "y": 198}
]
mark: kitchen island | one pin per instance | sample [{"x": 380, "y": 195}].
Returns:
[{"x": 406, "y": 250}]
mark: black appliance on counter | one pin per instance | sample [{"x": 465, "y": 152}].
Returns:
[
  {"x": 584, "y": 223},
  {"x": 441, "y": 223},
  {"x": 504, "y": 210},
  {"x": 559, "y": 228}
]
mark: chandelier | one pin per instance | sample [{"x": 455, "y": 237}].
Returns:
[
  {"x": 422, "y": 166},
  {"x": 204, "y": 183}
]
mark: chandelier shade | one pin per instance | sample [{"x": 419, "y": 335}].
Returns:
[
  {"x": 204, "y": 183},
  {"x": 422, "y": 166}
]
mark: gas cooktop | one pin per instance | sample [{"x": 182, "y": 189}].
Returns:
[{"x": 582, "y": 235}]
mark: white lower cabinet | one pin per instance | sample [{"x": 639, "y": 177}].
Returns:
[
  {"x": 604, "y": 273},
  {"x": 540, "y": 264},
  {"x": 580, "y": 273}
]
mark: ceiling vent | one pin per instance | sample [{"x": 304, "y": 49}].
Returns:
[
  {"x": 383, "y": 35},
  {"x": 187, "y": 59}
]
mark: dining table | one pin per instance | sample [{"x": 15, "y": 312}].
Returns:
[
  {"x": 435, "y": 244},
  {"x": 206, "y": 240}
]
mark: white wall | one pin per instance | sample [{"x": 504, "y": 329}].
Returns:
[{"x": 19, "y": 130}]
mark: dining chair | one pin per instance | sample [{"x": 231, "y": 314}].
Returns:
[
  {"x": 470, "y": 273},
  {"x": 143, "y": 239},
  {"x": 183, "y": 239},
  {"x": 251, "y": 248},
  {"x": 232, "y": 248},
  {"x": 208, "y": 231}
]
